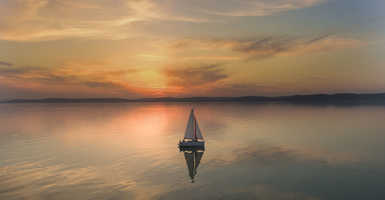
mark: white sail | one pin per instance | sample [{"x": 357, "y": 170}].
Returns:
[
  {"x": 192, "y": 130},
  {"x": 198, "y": 131}
]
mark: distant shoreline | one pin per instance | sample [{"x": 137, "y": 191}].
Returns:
[{"x": 339, "y": 98}]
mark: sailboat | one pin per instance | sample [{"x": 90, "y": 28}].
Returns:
[
  {"x": 193, "y": 136},
  {"x": 193, "y": 158}
]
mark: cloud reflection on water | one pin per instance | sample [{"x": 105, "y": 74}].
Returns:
[
  {"x": 272, "y": 172},
  {"x": 129, "y": 151}
]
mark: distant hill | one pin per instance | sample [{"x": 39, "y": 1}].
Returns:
[{"x": 342, "y": 98}]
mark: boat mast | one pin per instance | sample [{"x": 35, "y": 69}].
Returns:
[{"x": 195, "y": 128}]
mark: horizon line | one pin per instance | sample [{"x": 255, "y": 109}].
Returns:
[{"x": 316, "y": 97}]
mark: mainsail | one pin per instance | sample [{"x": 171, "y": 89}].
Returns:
[{"x": 192, "y": 130}]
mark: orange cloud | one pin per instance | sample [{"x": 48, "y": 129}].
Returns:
[
  {"x": 195, "y": 76},
  {"x": 70, "y": 79},
  {"x": 35, "y": 20}
]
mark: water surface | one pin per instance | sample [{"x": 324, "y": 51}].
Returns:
[{"x": 253, "y": 151}]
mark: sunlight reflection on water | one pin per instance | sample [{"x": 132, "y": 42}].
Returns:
[{"x": 129, "y": 151}]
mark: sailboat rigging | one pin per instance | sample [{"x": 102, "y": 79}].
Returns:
[{"x": 193, "y": 136}]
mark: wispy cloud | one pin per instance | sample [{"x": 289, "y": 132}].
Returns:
[
  {"x": 268, "y": 46},
  {"x": 242, "y": 89},
  {"x": 34, "y": 20},
  {"x": 211, "y": 80},
  {"x": 26, "y": 20},
  {"x": 264, "y": 47},
  {"x": 258, "y": 8},
  {"x": 7, "y": 64},
  {"x": 69, "y": 75},
  {"x": 195, "y": 76}
]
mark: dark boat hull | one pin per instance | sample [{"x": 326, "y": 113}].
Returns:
[{"x": 191, "y": 145}]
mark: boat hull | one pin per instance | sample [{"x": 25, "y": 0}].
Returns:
[{"x": 191, "y": 144}]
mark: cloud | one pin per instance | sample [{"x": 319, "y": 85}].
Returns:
[
  {"x": 72, "y": 79},
  {"x": 7, "y": 64},
  {"x": 257, "y": 8},
  {"x": 269, "y": 46},
  {"x": 242, "y": 89},
  {"x": 328, "y": 43},
  {"x": 100, "y": 84},
  {"x": 211, "y": 80},
  {"x": 195, "y": 76},
  {"x": 264, "y": 47},
  {"x": 215, "y": 9},
  {"x": 64, "y": 75},
  {"x": 205, "y": 80},
  {"x": 36, "y": 20},
  {"x": 26, "y": 20}
]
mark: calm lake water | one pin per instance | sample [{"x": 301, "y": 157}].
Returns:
[{"x": 253, "y": 151}]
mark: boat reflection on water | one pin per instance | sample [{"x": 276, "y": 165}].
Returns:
[
  {"x": 193, "y": 157},
  {"x": 192, "y": 145}
]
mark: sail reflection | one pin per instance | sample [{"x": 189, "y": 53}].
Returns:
[{"x": 193, "y": 158}]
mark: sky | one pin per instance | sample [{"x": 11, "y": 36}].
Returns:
[{"x": 184, "y": 48}]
